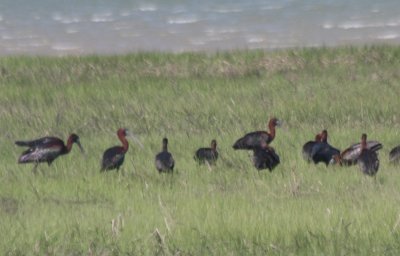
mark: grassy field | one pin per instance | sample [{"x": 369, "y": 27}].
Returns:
[{"x": 71, "y": 208}]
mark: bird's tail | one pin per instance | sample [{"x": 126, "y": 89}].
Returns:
[
  {"x": 22, "y": 143},
  {"x": 240, "y": 144}
]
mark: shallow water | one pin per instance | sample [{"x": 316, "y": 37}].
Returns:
[{"x": 120, "y": 26}]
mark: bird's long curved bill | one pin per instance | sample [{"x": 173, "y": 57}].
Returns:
[
  {"x": 80, "y": 147},
  {"x": 135, "y": 138},
  {"x": 279, "y": 123}
]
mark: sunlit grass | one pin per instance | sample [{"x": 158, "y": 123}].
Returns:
[{"x": 191, "y": 98}]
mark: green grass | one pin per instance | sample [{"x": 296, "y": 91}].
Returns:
[{"x": 299, "y": 209}]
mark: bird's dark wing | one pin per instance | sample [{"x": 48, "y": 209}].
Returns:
[
  {"x": 41, "y": 153},
  {"x": 252, "y": 140},
  {"x": 112, "y": 158},
  {"x": 394, "y": 155},
  {"x": 40, "y": 142}
]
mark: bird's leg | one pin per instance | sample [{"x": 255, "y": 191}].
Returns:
[{"x": 34, "y": 170}]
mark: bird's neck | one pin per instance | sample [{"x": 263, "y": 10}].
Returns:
[
  {"x": 363, "y": 144},
  {"x": 68, "y": 147},
  {"x": 165, "y": 148},
  {"x": 125, "y": 144},
  {"x": 272, "y": 131}
]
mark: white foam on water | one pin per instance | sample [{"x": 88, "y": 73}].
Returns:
[
  {"x": 148, "y": 8},
  {"x": 328, "y": 25},
  {"x": 388, "y": 36},
  {"x": 359, "y": 25},
  {"x": 102, "y": 17},
  {"x": 124, "y": 13},
  {"x": 6, "y": 37},
  {"x": 271, "y": 7},
  {"x": 255, "y": 40},
  {"x": 183, "y": 20},
  {"x": 215, "y": 31},
  {"x": 227, "y": 10},
  {"x": 56, "y": 16},
  {"x": 197, "y": 42},
  {"x": 70, "y": 20},
  {"x": 71, "y": 31},
  {"x": 64, "y": 47}
]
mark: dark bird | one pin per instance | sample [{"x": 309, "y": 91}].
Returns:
[
  {"x": 164, "y": 160},
  {"x": 114, "y": 157},
  {"x": 46, "y": 149},
  {"x": 252, "y": 140},
  {"x": 265, "y": 157},
  {"x": 308, "y": 147},
  {"x": 209, "y": 155},
  {"x": 350, "y": 155},
  {"x": 322, "y": 151},
  {"x": 394, "y": 155},
  {"x": 368, "y": 160}
]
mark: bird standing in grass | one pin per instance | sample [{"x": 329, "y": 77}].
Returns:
[
  {"x": 351, "y": 155},
  {"x": 368, "y": 160},
  {"x": 46, "y": 149},
  {"x": 253, "y": 139},
  {"x": 114, "y": 157},
  {"x": 164, "y": 160},
  {"x": 209, "y": 155}
]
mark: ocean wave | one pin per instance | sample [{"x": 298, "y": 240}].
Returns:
[
  {"x": 388, "y": 36},
  {"x": 255, "y": 40},
  {"x": 272, "y": 7},
  {"x": 71, "y": 31},
  {"x": 64, "y": 47},
  {"x": 102, "y": 17},
  {"x": 214, "y": 31},
  {"x": 147, "y": 8},
  {"x": 227, "y": 10},
  {"x": 64, "y": 19},
  {"x": 124, "y": 13},
  {"x": 182, "y": 20}
]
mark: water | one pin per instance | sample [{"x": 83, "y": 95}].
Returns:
[{"x": 55, "y": 27}]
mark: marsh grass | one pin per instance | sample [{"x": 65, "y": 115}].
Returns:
[{"x": 231, "y": 209}]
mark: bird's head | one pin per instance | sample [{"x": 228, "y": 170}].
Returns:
[
  {"x": 274, "y": 122},
  {"x": 123, "y": 132},
  {"x": 73, "y": 138}
]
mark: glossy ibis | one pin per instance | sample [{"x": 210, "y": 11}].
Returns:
[
  {"x": 114, "y": 157},
  {"x": 164, "y": 160},
  {"x": 350, "y": 155},
  {"x": 394, "y": 155},
  {"x": 46, "y": 149},
  {"x": 322, "y": 151},
  {"x": 308, "y": 147},
  {"x": 252, "y": 140},
  {"x": 265, "y": 157},
  {"x": 368, "y": 160},
  {"x": 209, "y": 155}
]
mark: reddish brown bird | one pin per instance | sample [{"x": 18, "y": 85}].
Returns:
[
  {"x": 351, "y": 155},
  {"x": 114, "y": 157},
  {"x": 253, "y": 140},
  {"x": 368, "y": 160},
  {"x": 46, "y": 149},
  {"x": 209, "y": 155}
]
